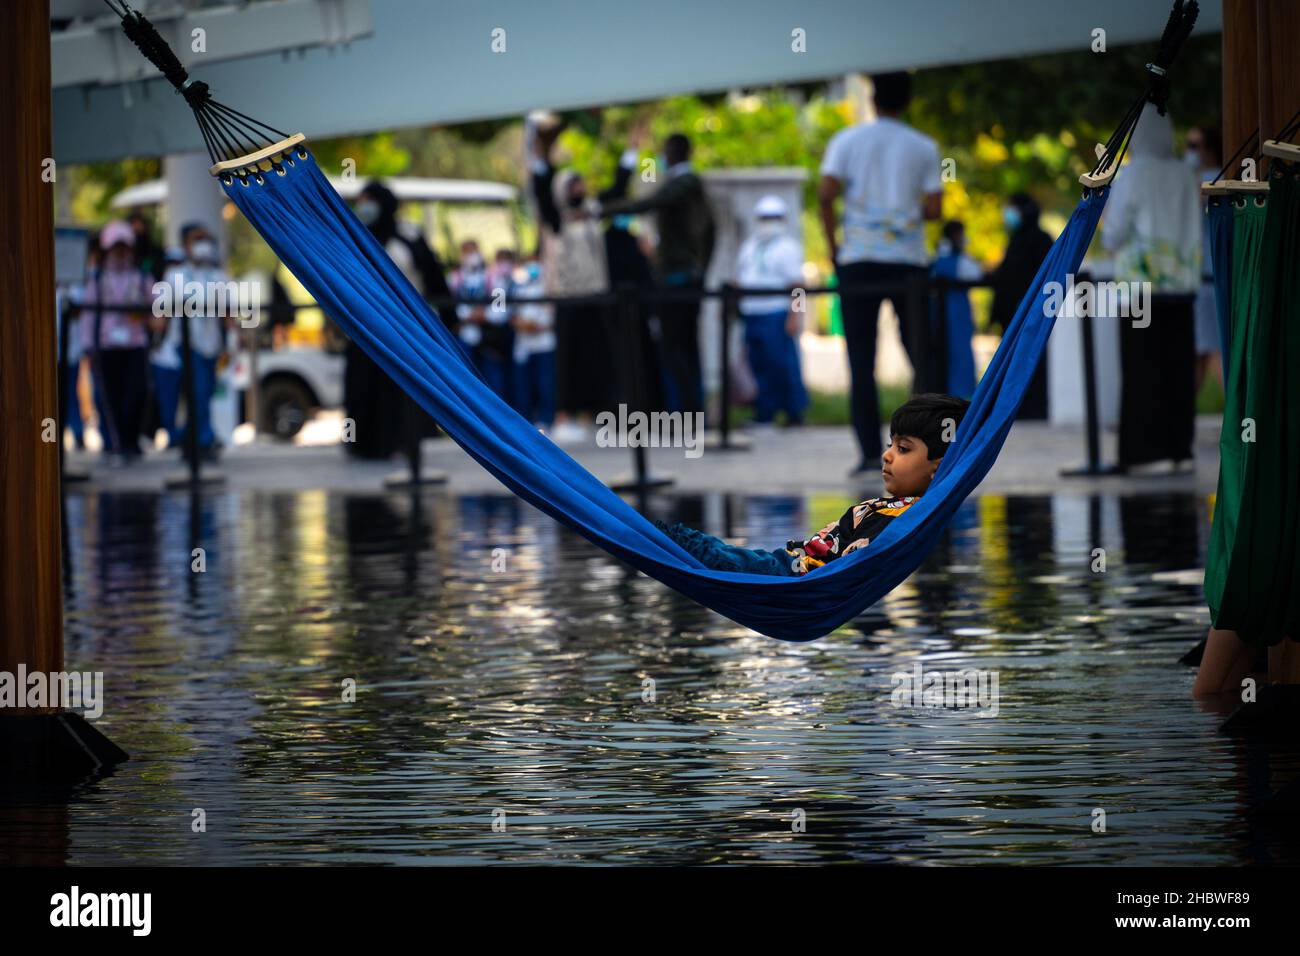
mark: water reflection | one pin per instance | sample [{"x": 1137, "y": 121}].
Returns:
[{"x": 505, "y": 669}]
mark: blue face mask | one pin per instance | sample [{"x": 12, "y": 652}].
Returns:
[
  {"x": 622, "y": 222},
  {"x": 1011, "y": 217}
]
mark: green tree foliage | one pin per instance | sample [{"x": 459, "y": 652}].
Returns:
[{"x": 1013, "y": 125}]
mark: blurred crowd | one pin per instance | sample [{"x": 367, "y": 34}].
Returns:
[
  {"x": 561, "y": 361},
  {"x": 131, "y": 356}
]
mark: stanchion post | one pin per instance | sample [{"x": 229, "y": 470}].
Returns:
[
  {"x": 411, "y": 429},
  {"x": 626, "y": 316},
  {"x": 915, "y": 294},
  {"x": 1092, "y": 425},
  {"x": 191, "y": 399},
  {"x": 724, "y": 322}
]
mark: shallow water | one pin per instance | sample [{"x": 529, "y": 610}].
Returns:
[{"x": 512, "y": 687}]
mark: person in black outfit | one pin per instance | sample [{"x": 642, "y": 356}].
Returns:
[
  {"x": 386, "y": 418},
  {"x": 686, "y": 230},
  {"x": 629, "y": 266},
  {"x": 1027, "y": 247},
  {"x": 149, "y": 255},
  {"x": 573, "y": 266}
]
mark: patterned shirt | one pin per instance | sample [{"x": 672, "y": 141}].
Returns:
[{"x": 860, "y": 523}]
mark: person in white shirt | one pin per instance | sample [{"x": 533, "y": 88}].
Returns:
[
  {"x": 534, "y": 348},
  {"x": 484, "y": 325},
  {"x": 772, "y": 258},
  {"x": 888, "y": 177},
  {"x": 207, "y": 340},
  {"x": 1152, "y": 225},
  {"x": 1204, "y": 154}
]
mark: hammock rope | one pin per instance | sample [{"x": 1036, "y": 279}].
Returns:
[
  {"x": 227, "y": 133},
  {"x": 1182, "y": 18},
  {"x": 317, "y": 236}
]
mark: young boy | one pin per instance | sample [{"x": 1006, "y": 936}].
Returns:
[{"x": 919, "y": 434}]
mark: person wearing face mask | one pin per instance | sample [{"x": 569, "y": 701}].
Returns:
[
  {"x": 386, "y": 419},
  {"x": 958, "y": 325},
  {"x": 685, "y": 225},
  {"x": 208, "y": 333},
  {"x": 115, "y": 336},
  {"x": 534, "y": 348},
  {"x": 1027, "y": 247},
  {"x": 1204, "y": 154},
  {"x": 1152, "y": 224},
  {"x": 573, "y": 264},
  {"x": 483, "y": 326},
  {"x": 770, "y": 257},
  {"x": 629, "y": 258}
]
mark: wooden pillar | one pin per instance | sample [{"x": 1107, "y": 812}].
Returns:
[
  {"x": 47, "y": 745},
  {"x": 1261, "y": 80},
  {"x": 31, "y": 597},
  {"x": 1261, "y": 90}
]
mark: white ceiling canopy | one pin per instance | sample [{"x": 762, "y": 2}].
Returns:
[{"x": 421, "y": 62}]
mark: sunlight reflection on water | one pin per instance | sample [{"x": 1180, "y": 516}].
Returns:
[{"x": 524, "y": 692}]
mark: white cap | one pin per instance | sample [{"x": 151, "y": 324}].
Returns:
[{"x": 770, "y": 207}]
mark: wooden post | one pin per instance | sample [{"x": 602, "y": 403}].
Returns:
[
  {"x": 38, "y": 745},
  {"x": 31, "y": 597},
  {"x": 1261, "y": 86},
  {"x": 1261, "y": 90}
]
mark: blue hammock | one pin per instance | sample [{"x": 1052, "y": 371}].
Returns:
[{"x": 326, "y": 247}]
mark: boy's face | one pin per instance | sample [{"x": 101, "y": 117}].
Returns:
[{"x": 906, "y": 467}]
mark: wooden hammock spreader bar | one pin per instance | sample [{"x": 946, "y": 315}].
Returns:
[
  {"x": 253, "y": 161},
  {"x": 1225, "y": 186},
  {"x": 1287, "y": 151}
]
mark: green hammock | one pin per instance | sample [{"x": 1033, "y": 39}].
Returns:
[{"x": 1252, "y": 570}]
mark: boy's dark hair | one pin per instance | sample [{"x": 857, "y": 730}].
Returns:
[
  {"x": 925, "y": 417},
  {"x": 893, "y": 91},
  {"x": 952, "y": 229}
]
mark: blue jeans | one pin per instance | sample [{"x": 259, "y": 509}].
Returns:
[
  {"x": 167, "y": 383},
  {"x": 167, "y": 392},
  {"x": 716, "y": 554},
  {"x": 72, "y": 418},
  {"x": 774, "y": 358},
  {"x": 535, "y": 387}
]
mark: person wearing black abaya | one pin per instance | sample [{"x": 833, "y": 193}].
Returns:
[
  {"x": 384, "y": 416},
  {"x": 1027, "y": 247},
  {"x": 629, "y": 266}
]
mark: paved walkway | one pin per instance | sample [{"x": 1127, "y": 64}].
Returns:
[{"x": 809, "y": 459}]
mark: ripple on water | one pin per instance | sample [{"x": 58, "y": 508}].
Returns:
[{"x": 603, "y": 718}]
